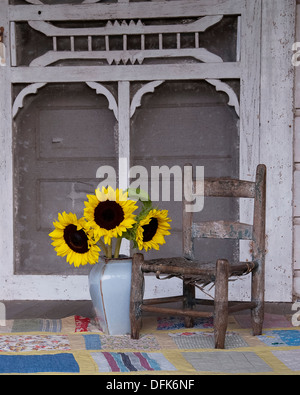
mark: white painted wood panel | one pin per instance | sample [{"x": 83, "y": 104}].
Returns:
[
  {"x": 183, "y": 8},
  {"x": 130, "y": 73},
  {"x": 297, "y": 138},
  {"x": 297, "y": 244},
  {"x": 297, "y": 190},
  {"x": 297, "y": 70},
  {"x": 6, "y": 190},
  {"x": 276, "y": 143},
  {"x": 297, "y": 87},
  {"x": 124, "y": 144},
  {"x": 297, "y": 284},
  {"x": 250, "y": 89}
]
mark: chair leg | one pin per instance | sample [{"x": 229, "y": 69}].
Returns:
[
  {"x": 258, "y": 293},
  {"x": 188, "y": 303},
  {"x": 136, "y": 296},
  {"x": 221, "y": 303}
]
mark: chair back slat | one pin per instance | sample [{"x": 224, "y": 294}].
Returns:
[
  {"x": 222, "y": 230},
  {"x": 228, "y": 188},
  {"x": 219, "y": 187}
]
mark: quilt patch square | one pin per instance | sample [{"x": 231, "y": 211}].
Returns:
[
  {"x": 27, "y": 343},
  {"x": 37, "y": 325},
  {"x": 194, "y": 340},
  {"x": 131, "y": 362},
  {"x": 144, "y": 343},
  {"x": 106, "y": 342},
  {"x": 55, "y": 363},
  {"x": 291, "y": 358},
  {"x": 227, "y": 362},
  {"x": 81, "y": 323},
  {"x": 85, "y": 324},
  {"x": 172, "y": 323},
  {"x": 47, "y": 325},
  {"x": 92, "y": 342},
  {"x": 29, "y": 325},
  {"x": 281, "y": 338}
]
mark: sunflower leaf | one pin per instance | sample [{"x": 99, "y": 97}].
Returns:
[
  {"x": 130, "y": 234},
  {"x": 139, "y": 195}
]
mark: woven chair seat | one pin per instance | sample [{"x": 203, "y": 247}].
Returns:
[{"x": 192, "y": 270}]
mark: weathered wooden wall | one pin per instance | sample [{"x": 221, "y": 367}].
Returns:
[
  {"x": 266, "y": 124},
  {"x": 276, "y": 142},
  {"x": 297, "y": 170}
]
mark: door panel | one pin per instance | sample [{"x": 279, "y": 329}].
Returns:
[
  {"x": 189, "y": 122},
  {"x": 62, "y": 136}
]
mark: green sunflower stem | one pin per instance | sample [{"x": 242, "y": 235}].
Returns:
[
  {"x": 103, "y": 247},
  {"x": 109, "y": 251},
  {"x": 117, "y": 248}
]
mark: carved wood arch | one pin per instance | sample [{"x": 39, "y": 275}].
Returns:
[
  {"x": 33, "y": 89},
  {"x": 136, "y": 100},
  {"x": 29, "y": 90}
]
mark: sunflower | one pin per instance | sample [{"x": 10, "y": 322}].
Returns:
[
  {"x": 152, "y": 229},
  {"x": 71, "y": 238},
  {"x": 109, "y": 213}
]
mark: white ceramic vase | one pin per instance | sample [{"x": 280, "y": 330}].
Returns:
[{"x": 110, "y": 283}]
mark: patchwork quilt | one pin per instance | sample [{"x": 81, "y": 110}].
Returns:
[{"x": 75, "y": 345}]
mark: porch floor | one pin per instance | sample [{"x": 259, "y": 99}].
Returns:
[
  {"x": 20, "y": 309},
  {"x": 66, "y": 339}
]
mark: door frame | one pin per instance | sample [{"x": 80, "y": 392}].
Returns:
[{"x": 265, "y": 132}]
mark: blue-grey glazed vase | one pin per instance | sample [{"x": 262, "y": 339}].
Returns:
[{"x": 109, "y": 284}]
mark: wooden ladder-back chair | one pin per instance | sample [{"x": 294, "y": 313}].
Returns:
[{"x": 193, "y": 272}]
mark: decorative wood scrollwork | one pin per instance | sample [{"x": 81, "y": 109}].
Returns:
[
  {"x": 137, "y": 98},
  {"x": 124, "y": 30},
  {"x": 19, "y": 101},
  {"x": 223, "y": 87},
  {"x": 101, "y": 89}
]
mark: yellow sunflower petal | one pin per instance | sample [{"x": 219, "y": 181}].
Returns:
[
  {"x": 111, "y": 220},
  {"x": 87, "y": 252},
  {"x": 156, "y": 231},
  {"x": 56, "y": 233}
]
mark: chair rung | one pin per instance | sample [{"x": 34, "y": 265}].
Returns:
[
  {"x": 171, "y": 299},
  {"x": 164, "y": 266},
  {"x": 242, "y": 268},
  {"x": 241, "y": 306},
  {"x": 165, "y": 310},
  {"x": 168, "y": 269},
  {"x": 205, "y": 302}
]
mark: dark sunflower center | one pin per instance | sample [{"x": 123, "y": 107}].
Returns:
[
  {"x": 108, "y": 214},
  {"x": 76, "y": 239},
  {"x": 150, "y": 230}
]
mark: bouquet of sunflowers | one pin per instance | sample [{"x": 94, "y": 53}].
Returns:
[{"x": 109, "y": 214}]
